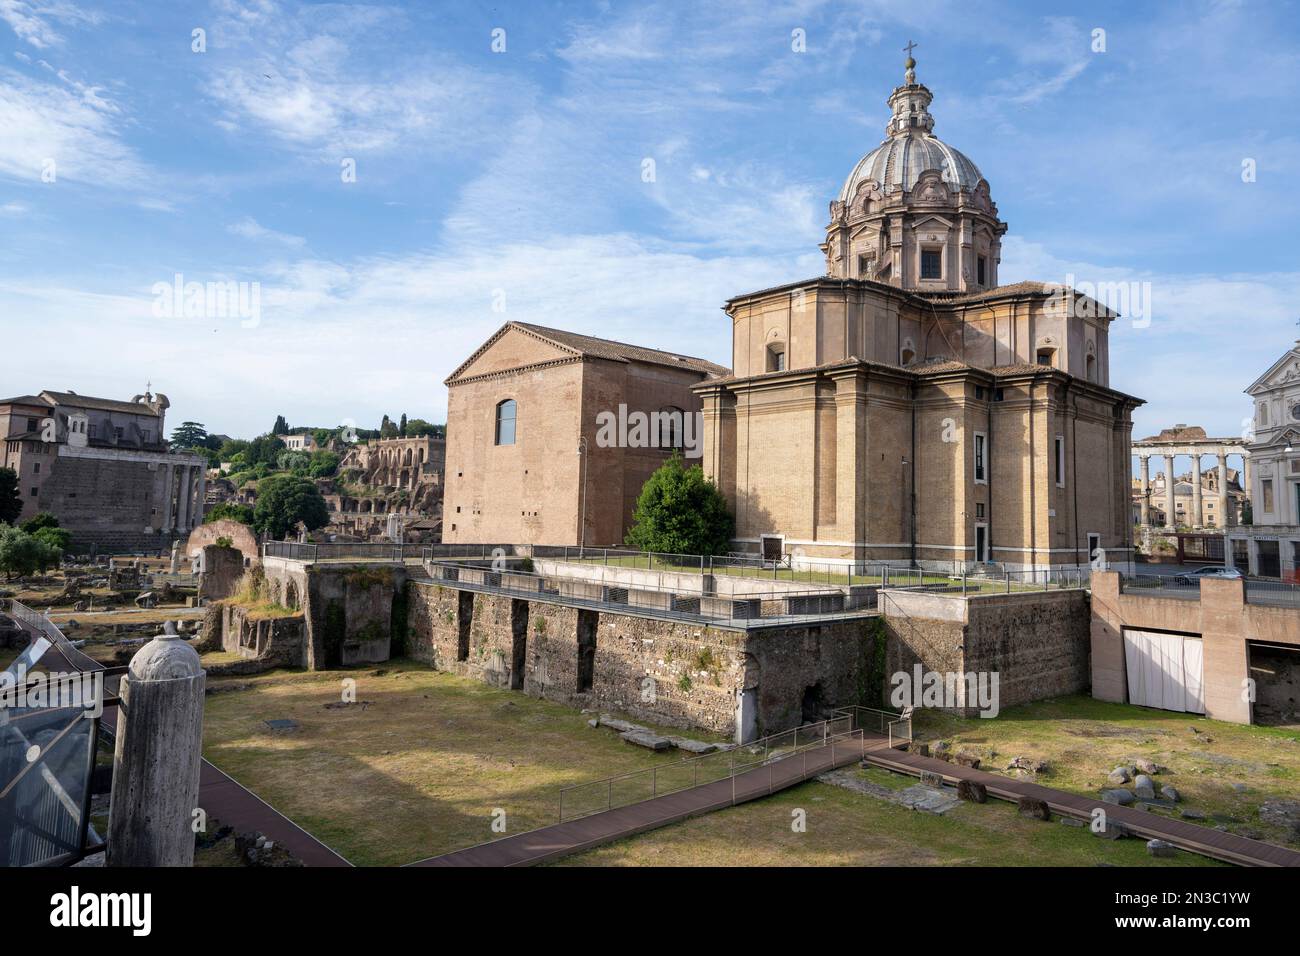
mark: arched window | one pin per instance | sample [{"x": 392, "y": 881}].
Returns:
[
  {"x": 506, "y": 412},
  {"x": 776, "y": 358},
  {"x": 670, "y": 420},
  {"x": 1091, "y": 367}
]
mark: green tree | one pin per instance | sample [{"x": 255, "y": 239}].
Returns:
[
  {"x": 680, "y": 511},
  {"x": 281, "y": 427},
  {"x": 11, "y": 502},
  {"x": 230, "y": 448},
  {"x": 284, "y": 500},
  {"x": 42, "y": 519},
  {"x": 419, "y": 428},
  {"x": 264, "y": 450},
  {"x": 190, "y": 435},
  {"x": 401, "y": 428},
  {"x": 22, "y": 553},
  {"x": 58, "y": 538},
  {"x": 229, "y": 510},
  {"x": 323, "y": 464}
]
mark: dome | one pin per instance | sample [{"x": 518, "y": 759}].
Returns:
[{"x": 898, "y": 162}]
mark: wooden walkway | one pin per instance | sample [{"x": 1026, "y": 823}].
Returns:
[
  {"x": 573, "y": 836},
  {"x": 1151, "y": 826}
]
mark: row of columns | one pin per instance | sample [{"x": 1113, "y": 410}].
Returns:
[
  {"x": 184, "y": 496},
  {"x": 1194, "y": 519}
]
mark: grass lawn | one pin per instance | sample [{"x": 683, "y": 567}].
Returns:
[
  {"x": 1084, "y": 739},
  {"x": 420, "y": 769},
  {"x": 845, "y": 828}
]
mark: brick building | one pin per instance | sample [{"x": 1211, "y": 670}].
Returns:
[
  {"x": 520, "y": 409},
  {"x": 102, "y": 467}
]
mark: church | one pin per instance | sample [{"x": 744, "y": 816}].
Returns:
[{"x": 905, "y": 407}]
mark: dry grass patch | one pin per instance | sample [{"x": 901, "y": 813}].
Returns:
[
  {"x": 1220, "y": 769},
  {"x": 845, "y": 828},
  {"x": 416, "y": 767}
]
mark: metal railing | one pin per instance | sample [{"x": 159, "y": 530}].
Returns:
[
  {"x": 1275, "y": 593},
  {"x": 637, "y": 786},
  {"x": 334, "y": 550},
  {"x": 680, "y": 602},
  {"x": 896, "y": 727},
  {"x": 969, "y": 576}
]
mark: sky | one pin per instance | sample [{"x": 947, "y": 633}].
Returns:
[{"x": 387, "y": 184}]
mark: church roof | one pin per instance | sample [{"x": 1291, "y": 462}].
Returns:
[
  {"x": 99, "y": 404},
  {"x": 897, "y": 163},
  {"x": 608, "y": 349},
  {"x": 622, "y": 351}
]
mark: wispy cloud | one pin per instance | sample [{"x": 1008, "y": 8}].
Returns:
[
  {"x": 35, "y": 22},
  {"x": 250, "y": 228}
]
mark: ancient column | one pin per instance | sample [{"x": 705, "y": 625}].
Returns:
[
  {"x": 1194, "y": 519},
  {"x": 183, "y": 499},
  {"x": 1144, "y": 501},
  {"x": 169, "y": 489},
  {"x": 156, "y": 757},
  {"x": 1170, "y": 484},
  {"x": 1245, "y": 476},
  {"x": 1223, "y": 488},
  {"x": 200, "y": 494}
]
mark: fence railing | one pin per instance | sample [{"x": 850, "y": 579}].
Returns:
[
  {"x": 1188, "y": 588},
  {"x": 1276, "y": 593},
  {"x": 970, "y": 577},
  {"x": 636, "y": 786},
  {"x": 683, "y": 601},
  {"x": 335, "y": 550},
  {"x": 896, "y": 727}
]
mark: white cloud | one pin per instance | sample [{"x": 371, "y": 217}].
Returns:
[
  {"x": 43, "y": 122},
  {"x": 250, "y": 228},
  {"x": 34, "y": 22}
]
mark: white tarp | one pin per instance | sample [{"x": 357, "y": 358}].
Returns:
[{"x": 1164, "y": 670}]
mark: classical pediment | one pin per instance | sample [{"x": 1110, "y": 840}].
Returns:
[
  {"x": 1284, "y": 372},
  {"x": 511, "y": 347}
]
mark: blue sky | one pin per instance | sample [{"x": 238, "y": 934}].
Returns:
[{"x": 508, "y": 185}]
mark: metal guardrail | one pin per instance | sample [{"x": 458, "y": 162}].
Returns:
[
  {"x": 1186, "y": 588},
  {"x": 681, "y": 603},
  {"x": 334, "y": 550},
  {"x": 620, "y": 790},
  {"x": 896, "y": 727}
]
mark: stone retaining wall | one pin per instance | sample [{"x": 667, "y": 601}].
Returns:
[{"x": 746, "y": 682}]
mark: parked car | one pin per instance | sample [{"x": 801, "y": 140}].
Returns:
[{"x": 1209, "y": 571}]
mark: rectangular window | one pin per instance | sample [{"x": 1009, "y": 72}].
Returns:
[
  {"x": 1266, "y": 488},
  {"x": 36, "y": 468},
  {"x": 32, "y": 424},
  {"x": 34, "y": 490},
  {"x": 981, "y": 468},
  {"x": 979, "y": 270},
  {"x": 931, "y": 264},
  {"x": 1060, "y": 461},
  {"x": 979, "y": 509}
]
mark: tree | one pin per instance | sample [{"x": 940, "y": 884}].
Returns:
[
  {"x": 229, "y": 510},
  {"x": 387, "y": 429},
  {"x": 401, "y": 428},
  {"x": 57, "y": 538},
  {"x": 230, "y": 448},
  {"x": 281, "y": 427},
  {"x": 42, "y": 519},
  {"x": 284, "y": 500},
  {"x": 22, "y": 553},
  {"x": 190, "y": 435},
  {"x": 11, "y": 502},
  {"x": 679, "y": 511},
  {"x": 264, "y": 450},
  {"x": 419, "y": 428},
  {"x": 323, "y": 464}
]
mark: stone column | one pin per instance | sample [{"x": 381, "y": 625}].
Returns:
[
  {"x": 1223, "y": 489},
  {"x": 200, "y": 494},
  {"x": 1246, "y": 479},
  {"x": 1144, "y": 502},
  {"x": 183, "y": 499},
  {"x": 156, "y": 757},
  {"x": 1195, "y": 519},
  {"x": 169, "y": 489},
  {"x": 1170, "y": 522}
]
